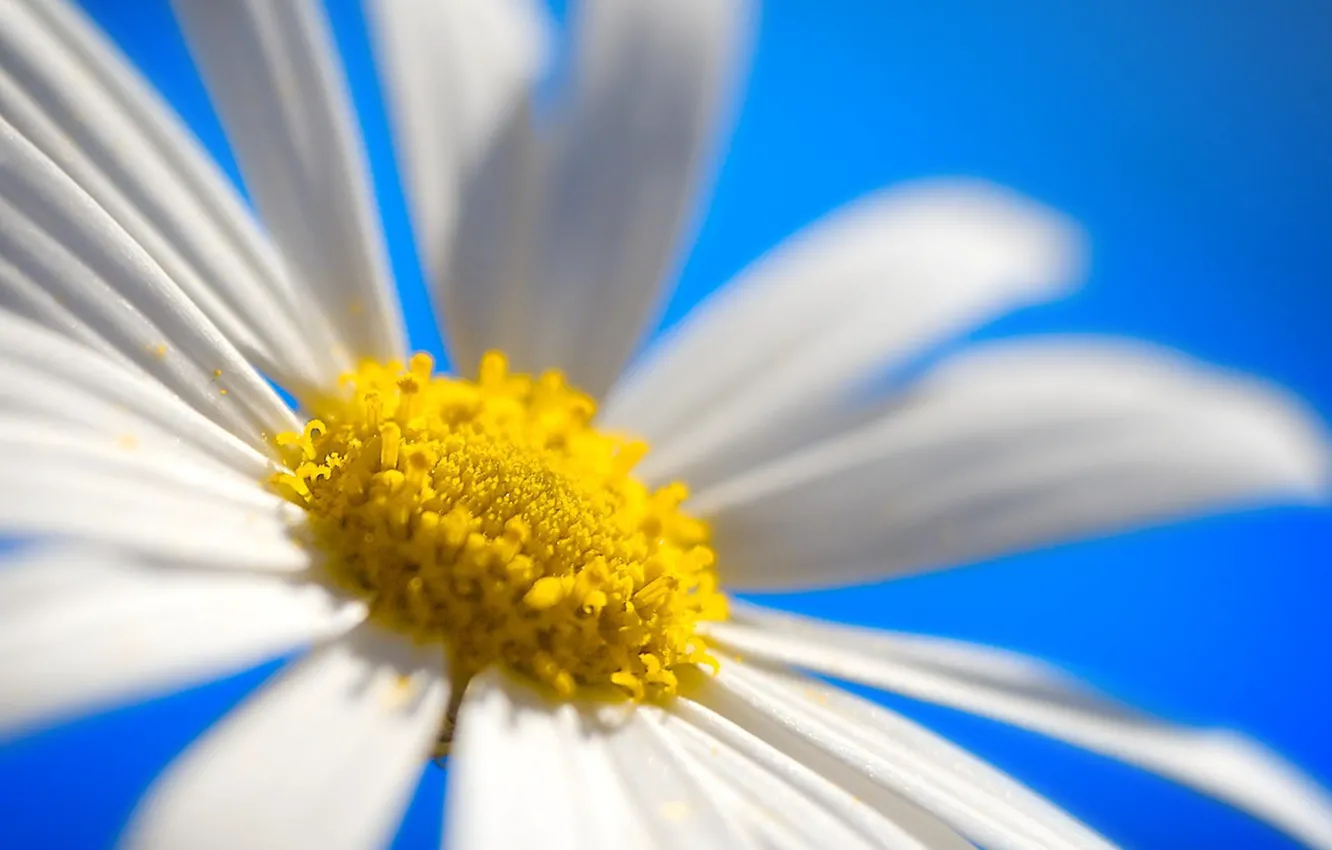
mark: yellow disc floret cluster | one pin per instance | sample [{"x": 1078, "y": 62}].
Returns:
[{"x": 492, "y": 514}]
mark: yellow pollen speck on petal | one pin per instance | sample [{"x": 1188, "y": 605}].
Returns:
[
  {"x": 675, "y": 810},
  {"x": 159, "y": 351},
  {"x": 400, "y": 692},
  {"x": 491, "y": 514}
]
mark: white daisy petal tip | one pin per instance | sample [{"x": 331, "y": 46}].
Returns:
[
  {"x": 1011, "y": 446},
  {"x": 1270, "y": 429},
  {"x": 1276, "y": 790},
  {"x": 1297, "y": 445},
  {"x": 1302, "y": 443},
  {"x": 768, "y": 362},
  {"x": 1035, "y": 244}
]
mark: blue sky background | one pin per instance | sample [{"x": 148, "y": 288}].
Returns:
[{"x": 1193, "y": 140}]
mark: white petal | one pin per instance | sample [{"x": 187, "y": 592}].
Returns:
[
  {"x": 223, "y": 219},
  {"x": 767, "y": 362},
  {"x": 510, "y": 773},
  {"x": 526, "y": 772},
  {"x": 150, "y": 520},
  {"x": 454, "y": 73},
  {"x": 1014, "y": 446},
  {"x": 42, "y": 374},
  {"x": 988, "y": 807},
  {"x": 327, "y": 756},
  {"x": 35, "y": 442},
  {"x": 29, "y": 394},
  {"x": 800, "y": 808},
  {"x": 39, "y": 258},
  {"x": 458, "y": 75},
  {"x": 1027, "y": 693},
  {"x": 154, "y": 500},
  {"x": 487, "y": 293},
  {"x": 21, "y": 298},
  {"x": 84, "y": 629},
  {"x": 62, "y": 239},
  {"x": 605, "y": 816},
  {"x": 879, "y": 817},
  {"x": 69, "y": 93},
  {"x": 669, "y": 802},
  {"x": 276, "y": 81},
  {"x": 652, "y": 80}
]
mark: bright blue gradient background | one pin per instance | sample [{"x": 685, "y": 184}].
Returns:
[{"x": 1192, "y": 138}]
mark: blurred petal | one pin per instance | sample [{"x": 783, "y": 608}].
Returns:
[
  {"x": 326, "y": 756},
  {"x": 775, "y": 790},
  {"x": 459, "y": 76},
  {"x": 770, "y": 360},
  {"x": 487, "y": 291},
  {"x": 83, "y": 629},
  {"x": 278, "y": 85},
  {"x": 46, "y": 376},
  {"x": 526, "y": 772},
  {"x": 651, "y": 86},
  {"x": 1028, "y": 693},
  {"x": 988, "y": 807},
  {"x": 63, "y": 240},
  {"x": 454, "y": 73},
  {"x": 1011, "y": 447},
  {"x": 152, "y": 499},
  {"x": 70, "y": 92}
]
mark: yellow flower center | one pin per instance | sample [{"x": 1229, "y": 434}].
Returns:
[{"x": 492, "y": 514}]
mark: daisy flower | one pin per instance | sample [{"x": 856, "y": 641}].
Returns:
[{"x": 492, "y": 564}]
